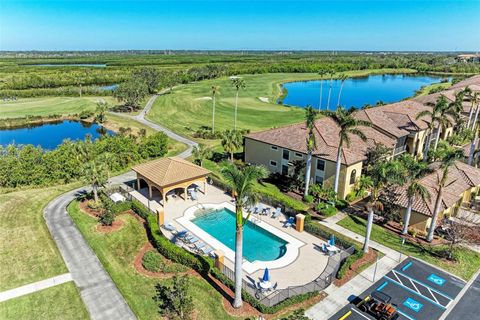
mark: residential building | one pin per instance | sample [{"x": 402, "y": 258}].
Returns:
[{"x": 462, "y": 185}]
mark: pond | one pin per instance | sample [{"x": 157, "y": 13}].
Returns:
[
  {"x": 51, "y": 135},
  {"x": 94, "y": 65},
  {"x": 356, "y": 92},
  {"x": 108, "y": 87}
]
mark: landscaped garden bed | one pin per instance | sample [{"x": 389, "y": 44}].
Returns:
[{"x": 465, "y": 263}]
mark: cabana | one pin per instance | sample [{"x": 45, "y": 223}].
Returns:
[{"x": 170, "y": 173}]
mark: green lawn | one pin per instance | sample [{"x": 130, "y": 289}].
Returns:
[
  {"x": 45, "y": 106},
  {"x": 117, "y": 251},
  {"x": 468, "y": 261},
  {"x": 434, "y": 86},
  {"x": 27, "y": 252},
  {"x": 189, "y": 107},
  {"x": 59, "y": 302}
]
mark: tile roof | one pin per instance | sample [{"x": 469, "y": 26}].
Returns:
[
  {"x": 326, "y": 132},
  {"x": 461, "y": 177},
  {"x": 475, "y": 80},
  {"x": 169, "y": 171}
]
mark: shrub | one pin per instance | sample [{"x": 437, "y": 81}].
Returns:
[
  {"x": 85, "y": 114},
  {"x": 326, "y": 209},
  {"x": 139, "y": 209},
  {"x": 347, "y": 263},
  {"x": 107, "y": 218},
  {"x": 174, "y": 301},
  {"x": 154, "y": 262},
  {"x": 120, "y": 207},
  {"x": 94, "y": 205},
  {"x": 308, "y": 198}
]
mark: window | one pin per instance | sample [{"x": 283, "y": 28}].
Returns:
[
  {"x": 284, "y": 170},
  {"x": 320, "y": 165},
  {"x": 299, "y": 155},
  {"x": 274, "y": 148},
  {"x": 319, "y": 180},
  {"x": 286, "y": 154},
  {"x": 353, "y": 176},
  {"x": 273, "y": 163}
]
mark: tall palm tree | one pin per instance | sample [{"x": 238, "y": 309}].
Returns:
[
  {"x": 477, "y": 98},
  {"x": 95, "y": 172},
  {"x": 348, "y": 125},
  {"x": 330, "y": 74},
  {"x": 383, "y": 173},
  {"x": 215, "y": 91},
  {"x": 238, "y": 83},
  {"x": 322, "y": 74},
  {"x": 472, "y": 148},
  {"x": 414, "y": 171},
  {"x": 343, "y": 77},
  {"x": 310, "y": 115},
  {"x": 231, "y": 142},
  {"x": 201, "y": 152},
  {"x": 435, "y": 119},
  {"x": 474, "y": 99},
  {"x": 447, "y": 161},
  {"x": 242, "y": 182}
]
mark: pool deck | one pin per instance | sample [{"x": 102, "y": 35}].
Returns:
[{"x": 306, "y": 264}]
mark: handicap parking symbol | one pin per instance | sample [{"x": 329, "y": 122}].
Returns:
[
  {"x": 413, "y": 304},
  {"x": 436, "y": 279}
]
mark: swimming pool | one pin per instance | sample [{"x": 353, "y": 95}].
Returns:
[{"x": 258, "y": 243}]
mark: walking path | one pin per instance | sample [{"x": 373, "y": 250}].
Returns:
[
  {"x": 141, "y": 118},
  {"x": 99, "y": 293},
  {"x": 34, "y": 287},
  {"x": 338, "y": 297}
]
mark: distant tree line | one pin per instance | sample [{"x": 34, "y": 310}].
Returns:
[{"x": 76, "y": 160}]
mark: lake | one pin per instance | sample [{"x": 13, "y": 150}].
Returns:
[
  {"x": 356, "y": 92},
  {"x": 94, "y": 65},
  {"x": 51, "y": 135}
]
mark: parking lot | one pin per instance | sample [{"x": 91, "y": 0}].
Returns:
[{"x": 418, "y": 291}]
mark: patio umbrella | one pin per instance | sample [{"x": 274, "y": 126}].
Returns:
[
  {"x": 266, "y": 276},
  {"x": 332, "y": 240}
]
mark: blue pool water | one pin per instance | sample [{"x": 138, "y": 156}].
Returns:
[
  {"x": 356, "y": 92},
  {"x": 258, "y": 243},
  {"x": 51, "y": 135}
]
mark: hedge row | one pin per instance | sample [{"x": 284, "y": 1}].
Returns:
[{"x": 257, "y": 304}]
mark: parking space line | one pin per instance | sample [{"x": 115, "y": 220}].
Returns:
[
  {"x": 408, "y": 265},
  {"x": 425, "y": 285},
  {"x": 358, "y": 312},
  {"x": 405, "y": 315},
  {"x": 413, "y": 291},
  {"x": 382, "y": 286}
]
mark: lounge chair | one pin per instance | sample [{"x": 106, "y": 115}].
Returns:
[
  {"x": 182, "y": 234},
  {"x": 169, "y": 227},
  {"x": 277, "y": 213},
  {"x": 259, "y": 208},
  {"x": 199, "y": 245},
  {"x": 191, "y": 239},
  {"x": 193, "y": 195},
  {"x": 289, "y": 222},
  {"x": 266, "y": 211},
  {"x": 206, "y": 250}
]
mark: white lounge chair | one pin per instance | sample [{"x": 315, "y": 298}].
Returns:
[
  {"x": 277, "y": 213},
  {"x": 259, "y": 208},
  {"x": 206, "y": 250},
  {"x": 169, "y": 227}
]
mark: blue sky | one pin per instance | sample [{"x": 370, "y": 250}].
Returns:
[{"x": 242, "y": 25}]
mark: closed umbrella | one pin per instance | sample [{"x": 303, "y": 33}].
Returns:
[
  {"x": 332, "y": 240},
  {"x": 266, "y": 275}
]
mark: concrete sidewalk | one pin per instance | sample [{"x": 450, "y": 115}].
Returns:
[
  {"x": 338, "y": 297},
  {"x": 34, "y": 287}
]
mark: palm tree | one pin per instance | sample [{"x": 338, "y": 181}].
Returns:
[
  {"x": 348, "y": 125},
  {"x": 447, "y": 161},
  {"x": 435, "y": 118},
  {"x": 343, "y": 77},
  {"x": 215, "y": 91},
  {"x": 322, "y": 74},
  {"x": 474, "y": 99},
  {"x": 231, "y": 142},
  {"x": 474, "y": 123},
  {"x": 310, "y": 115},
  {"x": 95, "y": 172},
  {"x": 238, "y": 83},
  {"x": 414, "y": 170},
  {"x": 102, "y": 108},
  {"x": 330, "y": 74},
  {"x": 242, "y": 182},
  {"x": 201, "y": 152},
  {"x": 383, "y": 173}
]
